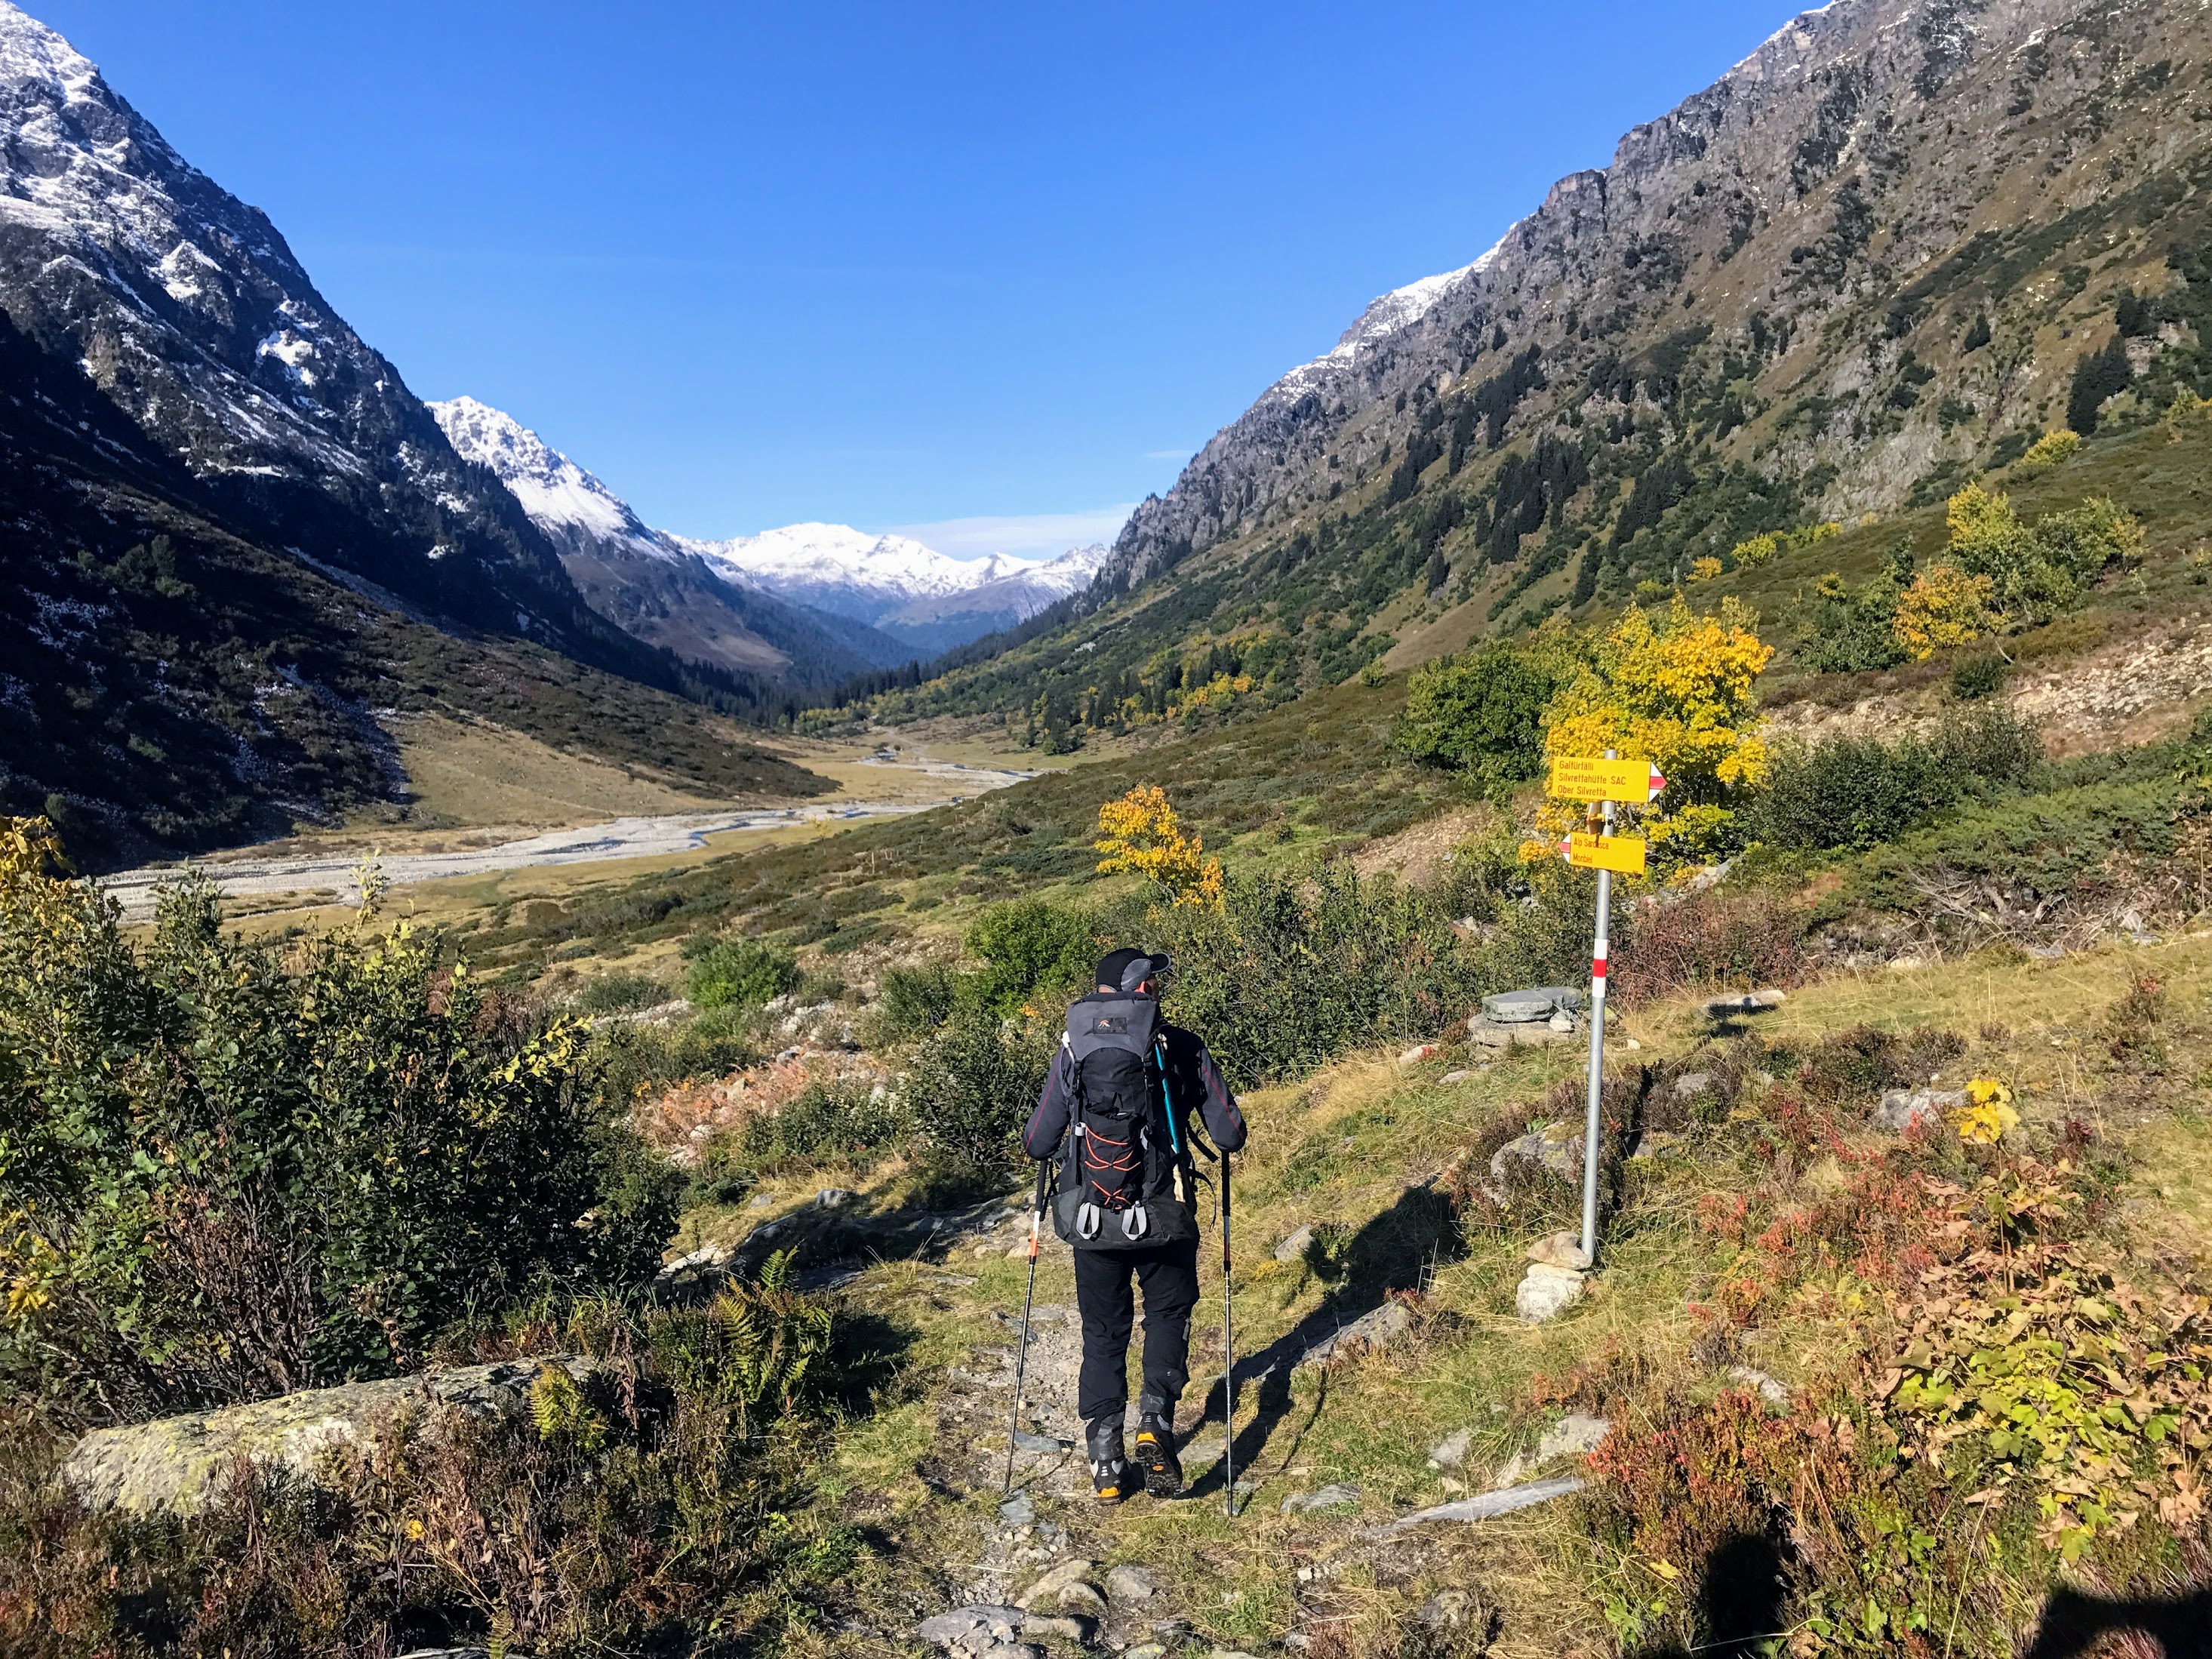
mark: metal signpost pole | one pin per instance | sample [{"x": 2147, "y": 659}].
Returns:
[{"x": 1596, "y": 1050}]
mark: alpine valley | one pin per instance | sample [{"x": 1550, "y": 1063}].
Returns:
[{"x": 240, "y": 553}]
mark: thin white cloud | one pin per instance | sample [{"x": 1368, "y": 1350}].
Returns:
[
  {"x": 1169, "y": 455},
  {"x": 1026, "y": 536}
]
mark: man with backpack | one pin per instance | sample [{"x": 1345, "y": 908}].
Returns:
[{"x": 1116, "y": 1114}]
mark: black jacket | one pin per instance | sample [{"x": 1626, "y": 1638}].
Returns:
[{"x": 1194, "y": 1081}]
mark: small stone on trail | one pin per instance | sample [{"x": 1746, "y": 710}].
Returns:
[
  {"x": 1416, "y": 1054},
  {"x": 1017, "y": 1510},
  {"x": 1081, "y": 1596},
  {"x": 1128, "y": 1583},
  {"x": 1445, "y": 1610},
  {"x": 1145, "y": 1650},
  {"x": 1691, "y": 1086},
  {"x": 1456, "y": 1077},
  {"x": 1901, "y": 1109},
  {"x": 1296, "y": 1245},
  {"x": 1769, "y": 1389},
  {"x": 1070, "y": 1571},
  {"x": 1546, "y": 1293},
  {"x": 1450, "y": 1452},
  {"x": 1329, "y": 1498},
  {"x": 833, "y": 1198},
  {"x": 762, "y": 1201},
  {"x": 1560, "y": 1250}
]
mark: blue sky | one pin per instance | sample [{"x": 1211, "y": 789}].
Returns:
[{"x": 986, "y": 270}]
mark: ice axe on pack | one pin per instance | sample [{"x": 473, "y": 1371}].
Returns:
[{"x": 1022, "y": 1353}]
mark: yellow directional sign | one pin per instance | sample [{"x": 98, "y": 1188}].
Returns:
[
  {"x": 1623, "y": 854},
  {"x": 1579, "y": 778}
]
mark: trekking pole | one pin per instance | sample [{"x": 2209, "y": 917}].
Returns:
[
  {"x": 1228, "y": 1359},
  {"x": 1022, "y": 1354}
]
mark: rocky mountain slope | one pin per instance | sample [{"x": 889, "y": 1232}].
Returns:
[
  {"x": 895, "y": 583},
  {"x": 1878, "y": 256},
  {"x": 234, "y": 533},
  {"x": 653, "y": 584}
]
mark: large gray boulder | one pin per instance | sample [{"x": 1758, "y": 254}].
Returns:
[{"x": 175, "y": 1465}]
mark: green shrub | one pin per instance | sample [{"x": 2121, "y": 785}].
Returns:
[
  {"x": 912, "y": 1002},
  {"x": 1289, "y": 973},
  {"x": 1857, "y": 792},
  {"x": 633, "y": 1058},
  {"x": 843, "y": 1121},
  {"x": 617, "y": 993},
  {"x": 1843, "y": 629},
  {"x": 1032, "y": 945},
  {"x": 740, "y": 973},
  {"x": 1479, "y": 714},
  {"x": 230, "y": 1170},
  {"x": 1977, "y": 675},
  {"x": 972, "y": 1084}
]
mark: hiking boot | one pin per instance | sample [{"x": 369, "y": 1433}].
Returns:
[
  {"x": 1110, "y": 1472},
  {"x": 1156, "y": 1453}
]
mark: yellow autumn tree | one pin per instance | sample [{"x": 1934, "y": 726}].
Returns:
[
  {"x": 1140, "y": 835},
  {"x": 1676, "y": 692},
  {"x": 1944, "y": 606}
]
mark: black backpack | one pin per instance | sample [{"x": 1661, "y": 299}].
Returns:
[{"x": 1126, "y": 1172}]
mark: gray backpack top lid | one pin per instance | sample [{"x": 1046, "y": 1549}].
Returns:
[
  {"x": 1127, "y": 1023},
  {"x": 1524, "y": 1007}
]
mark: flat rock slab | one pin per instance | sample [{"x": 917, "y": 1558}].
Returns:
[
  {"x": 1373, "y": 1330},
  {"x": 1534, "y": 1034},
  {"x": 1340, "y": 1496},
  {"x": 174, "y": 1465},
  {"x": 1491, "y": 1505},
  {"x": 1537, "y": 1003}
]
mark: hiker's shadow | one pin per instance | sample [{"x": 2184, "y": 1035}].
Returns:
[
  {"x": 1390, "y": 1252},
  {"x": 2075, "y": 1624},
  {"x": 1743, "y": 1599}
]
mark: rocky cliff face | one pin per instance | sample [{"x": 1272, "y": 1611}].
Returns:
[
  {"x": 1823, "y": 226},
  {"x": 187, "y": 311}
]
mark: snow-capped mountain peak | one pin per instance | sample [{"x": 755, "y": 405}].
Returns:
[
  {"x": 891, "y": 568},
  {"x": 553, "y": 489}
]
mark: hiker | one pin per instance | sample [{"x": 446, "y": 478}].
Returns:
[{"x": 1117, "y": 1113}]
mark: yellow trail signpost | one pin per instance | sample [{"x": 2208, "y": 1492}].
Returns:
[
  {"x": 1622, "y": 855},
  {"x": 1603, "y": 781},
  {"x": 1575, "y": 777}
]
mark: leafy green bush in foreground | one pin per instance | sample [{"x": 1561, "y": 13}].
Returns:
[
  {"x": 229, "y": 1170},
  {"x": 647, "y": 1510}
]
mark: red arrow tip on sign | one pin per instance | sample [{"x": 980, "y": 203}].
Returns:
[{"x": 1657, "y": 783}]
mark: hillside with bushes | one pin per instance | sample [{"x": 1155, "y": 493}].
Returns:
[{"x": 1882, "y": 256}]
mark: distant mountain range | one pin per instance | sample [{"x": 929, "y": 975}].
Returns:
[
  {"x": 235, "y": 536},
  {"x": 870, "y": 601}
]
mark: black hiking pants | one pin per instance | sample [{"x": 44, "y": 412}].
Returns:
[{"x": 1167, "y": 1274}]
